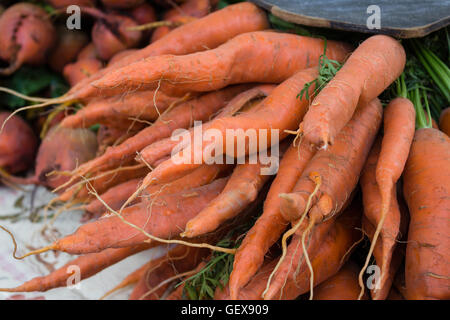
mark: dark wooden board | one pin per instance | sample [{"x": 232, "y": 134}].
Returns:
[{"x": 399, "y": 18}]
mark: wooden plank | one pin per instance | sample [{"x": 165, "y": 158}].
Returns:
[{"x": 398, "y": 18}]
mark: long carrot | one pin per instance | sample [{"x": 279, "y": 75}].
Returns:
[
  {"x": 243, "y": 100},
  {"x": 89, "y": 265},
  {"x": 182, "y": 116},
  {"x": 369, "y": 70},
  {"x": 246, "y": 58},
  {"x": 372, "y": 209},
  {"x": 265, "y": 118},
  {"x": 146, "y": 105},
  {"x": 190, "y": 8},
  {"x": 383, "y": 169},
  {"x": 162, "y": 217},
  {"x": 339, "y": 167},
  {"x": 270, "y": 225},
  {"x": 426, "y": 190},
  {"x": 208, "y": 32}
]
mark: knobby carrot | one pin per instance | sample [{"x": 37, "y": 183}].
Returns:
[
  {"x": 369, "y": 70},
  {"x": 339, "y": 168},
  {"x": 88, "y": 264},
  {"x": 426, "y": 190},
  {"x": 383, "y": 250},
  {"x": 270, "y": 225},
  {"x": 280, "y": 111},
  {"x": 103, "y": 181},
  {"x": 246, "y": 58}
]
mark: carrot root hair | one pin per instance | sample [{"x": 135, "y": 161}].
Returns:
[{"x": 318, "y": 181}]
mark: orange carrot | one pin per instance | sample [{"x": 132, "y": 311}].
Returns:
[
  {"x": 190, "y": 8},
  {"x": 254, "y": 288},
  {"x": 169, "y": 267},
  {"x": 329, "y": 247},
  {"x": 369, "y": 70},
  {"x": 342, "y": 286},
  {"x": 339, "y": 168},
  {"x": 208, "y": 32},
  {"x": 246, "y": 58},
  {"x": 104, "y": 181},
  {"x": 182, "y": 116},
  {"x": 265, "y": 118},
  {"x": 89, "y": 265},
  {"x": 244, "y": 100},
  {"x": 270, "y": 225},
  {"x": 390, "y": 159},
  {"x": 426, "y": 190},
  {"x": 146, "y": 105},
  {"x": 162, "y": 217}
]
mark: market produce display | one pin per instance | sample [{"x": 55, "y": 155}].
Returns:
[{"x": 270, "y": 160}]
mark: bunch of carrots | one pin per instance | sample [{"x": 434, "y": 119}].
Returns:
[{"x": 362, "y": 180}]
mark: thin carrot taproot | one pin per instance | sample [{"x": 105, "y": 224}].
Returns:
[
  {"x": 270, "y": 225},
  {"x": 208, "y": 32},
  {"x": 149, "y": 287},
  {"x": 330, "y": 245},
  {"x": 114, "y": 197},
  {"x": 386, "y": 164},
  {"x": 369, "y": 70},
  {"x": 248, "y": 57}
]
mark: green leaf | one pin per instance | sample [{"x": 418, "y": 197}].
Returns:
[{"x": 30, "y": 81}]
